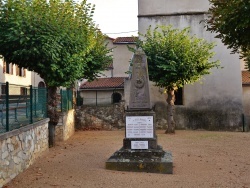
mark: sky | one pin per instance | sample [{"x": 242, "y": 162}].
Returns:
[{"x": 116, "y": 18}]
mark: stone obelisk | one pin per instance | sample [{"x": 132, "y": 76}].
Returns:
[
  {"x": 140, "y": 151},
  {"x": 139, "y": 89}
]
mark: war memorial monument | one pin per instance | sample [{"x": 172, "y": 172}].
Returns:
[{"x": 140, "y": 151}]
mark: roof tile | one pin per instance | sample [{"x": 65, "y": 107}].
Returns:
[
  {"x": 102, "y": 83},
  {"x": 245, "y": 77},
  {"x": 119, "y": 40}
]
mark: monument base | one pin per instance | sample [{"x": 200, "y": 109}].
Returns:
[{"x": 150, "y": 160}]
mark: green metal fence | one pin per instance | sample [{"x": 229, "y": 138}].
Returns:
[
  {"x": 21, "y": 105},
  {"x": 38, "y": 109},
  {"x": 66, "y": 100}
]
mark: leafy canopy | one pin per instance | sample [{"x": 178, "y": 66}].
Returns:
[
  {"x": 231, "y": 21},
  {"x": 175, "y": 58},
  {"x": 57, "y": 39}
]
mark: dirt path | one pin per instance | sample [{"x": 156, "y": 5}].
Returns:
[{"x": 201, "y": 159}]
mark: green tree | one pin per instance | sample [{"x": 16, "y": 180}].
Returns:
[
  {"x": 230, "y": 20},
  {"x": 57, "y": 39},
  {"x": 175, "y": 58}
]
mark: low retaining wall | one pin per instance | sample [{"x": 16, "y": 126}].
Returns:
[
  {"x": 111, "y": 117},
  {"x": 19, "y": 149},
  {"x": 66, "y": 126},
  {"x": 211, "y": 119}
]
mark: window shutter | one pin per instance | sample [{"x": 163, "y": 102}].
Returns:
[
  {"x": 17, "y": 70},
  {"x": 4, "y": 67},
  {"x": 11, "y": 68}
]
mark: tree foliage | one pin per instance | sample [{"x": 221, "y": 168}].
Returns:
[
  {"x": 230, "y": 20},
  {"x": 57, "y": 39},
  {"x": 175, "y": 58}
]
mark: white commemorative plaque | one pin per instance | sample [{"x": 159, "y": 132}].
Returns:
[
  {"x": 139, "y": 127},
  {"x": 139, "y": 144}
]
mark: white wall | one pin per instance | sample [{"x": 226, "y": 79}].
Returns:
[
  {"x": 246, "y": 94},
  {"x": 149, "y": 7},
  {"x": 12, "y": 78},
  {"x": 221, "y": 90},
  {"x": 122, "y": 57},
  {"x": 31, "y": 78},
  {"x": 103, "y": 97},
  {"x": 108, "y": 73},
  {"x": 35, "y": 79}
]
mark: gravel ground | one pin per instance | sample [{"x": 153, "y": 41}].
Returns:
[{"x": 201, "y": 159}]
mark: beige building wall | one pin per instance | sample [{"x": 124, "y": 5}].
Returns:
[
  {"x": 13, "y": 78},
  {"x": 246, "y": 106},
  {"x": 35, "y": 79},
  {"x": 101, "y": 97},
  {"x": 109, "y": 72},
  {"x": 105, "y": 74},
  {"x": 31, "y": 78},
  {"x": 243, "y": 65},
  {"x": 246, "y": 99},
  {"x": 122, "y": 58},
  {"x": 163, "y": 7},
  {"x": 216, "y": 101},
  {"x": 2, "y": 75}
]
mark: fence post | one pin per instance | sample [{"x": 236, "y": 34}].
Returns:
[
  {"x": 31, "y": 104},
  {"x": 35, "y": 100},
  {"x": 68, "y": 99},
  {"x": 61, "y": 100},
  {"x": 71, "y": 99},
  {"x": 7, "y": 106}
]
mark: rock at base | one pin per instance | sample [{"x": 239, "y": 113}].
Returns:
[{"x": 152, "y": 161}]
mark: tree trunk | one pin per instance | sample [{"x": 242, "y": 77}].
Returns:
[
  {"x": 52, "y": 114},
  {"x": 170, "y": 112}
]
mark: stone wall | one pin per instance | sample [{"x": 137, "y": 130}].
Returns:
[
  {"x": 66, "y": 126},
  {"x": 112, "y": 117},
  {"x": 19, "y": 149},
  {"x": 212, "y": 119},
  {"x": 108, "y": 117}
]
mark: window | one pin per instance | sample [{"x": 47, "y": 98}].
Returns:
[
  {"x": 179, "y": 97},
  {"x": 3, "y": 89},
  {"x": 23, "y": 91},
  {"x": 20, "y": 71},
  {"x": 116, "y": 97},
  {"x": 7, "y": 68},
  {"x": 41, "y": 84}
]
